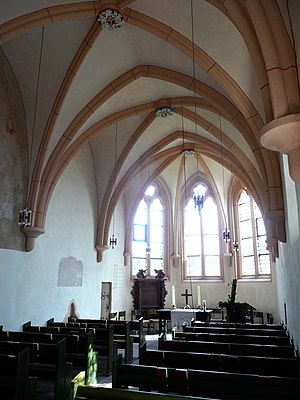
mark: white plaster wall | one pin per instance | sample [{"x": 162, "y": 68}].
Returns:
[
  {"x": 262, "y": 295},
  {"x": 287, "y": 266},
  {"x": 113, "y": 269},
  {"x": 29, "y": 281}
]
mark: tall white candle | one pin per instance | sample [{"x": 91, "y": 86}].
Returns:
[
  {"x": 173, "y": 295},
  {"x": 198, "y": 296}
]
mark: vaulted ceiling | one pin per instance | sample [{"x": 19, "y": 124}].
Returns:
[{"x": 224, "y": 66}]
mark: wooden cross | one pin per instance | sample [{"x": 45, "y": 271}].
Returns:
[{"x": 186, "y": 295}]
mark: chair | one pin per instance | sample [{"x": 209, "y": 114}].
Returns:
[
  {"x": 113, "y": 316},
  {"x": 135, "y": 314},
  {"x": 270, "y": 318},
  {"x": 260, "y": 315},
  {"x": 217, "y": 314},
  {"x": 122, "y": 316},
  {"x": 153, "y": 320}
]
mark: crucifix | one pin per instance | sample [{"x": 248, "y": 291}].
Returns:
[{"x": 186, "y": 295}]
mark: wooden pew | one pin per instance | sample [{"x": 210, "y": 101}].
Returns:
[
  {"x": 79, "y": 348},
  {"x": 239, "y": 329},
  {"x": 46, "y": 362},
  {"x": 89, "y": 321},
  {"x": 135, "y": 330},
  {"x": 231, "y": 338},
  {"x": 221, "y": 385},
  {"x": 15, "y": 382},
  {"x": 122, "y": 338},
  {"x": 88, "y": 392},
  {"x": 237, "y": 325},
  {"x": 104, "y": 345},
  {"x": 247, "y": 349},
  {"x": 180, "y": 357}
]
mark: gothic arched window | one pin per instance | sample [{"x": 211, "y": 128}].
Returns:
[
  {"x": 202, "y": 235},
  {"x": 253, "y": 256},
  {"x": 149, "y": 233}
]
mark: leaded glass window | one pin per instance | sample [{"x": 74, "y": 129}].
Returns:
[
  {"x": 148, "y": 233},
  {"x": 254, "y": 256},
  {"x": 202, "y": 236}
]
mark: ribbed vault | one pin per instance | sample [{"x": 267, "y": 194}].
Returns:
[{"x": 217, "y": 113}]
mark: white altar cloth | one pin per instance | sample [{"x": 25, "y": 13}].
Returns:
[{"x": 179, "y": 316}]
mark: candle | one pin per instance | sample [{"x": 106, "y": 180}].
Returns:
[
  {"x": 173, "y": 295},
  {"x": 198, "y": 296}
]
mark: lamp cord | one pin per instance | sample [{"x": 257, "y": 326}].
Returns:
[{"x": 35, "y": 107}]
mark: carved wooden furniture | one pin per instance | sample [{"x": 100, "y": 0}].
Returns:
[{"x": 149, "y": 294}]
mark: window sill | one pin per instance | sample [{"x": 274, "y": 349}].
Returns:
[
  {"x": 255, "y": 279},
  {"x": 208, "y": 280}
]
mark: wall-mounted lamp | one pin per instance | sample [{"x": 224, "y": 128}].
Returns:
[
  {"x": 25, "y": 217},
  {"x": 226, "y": 235},
  {"x": 235, "y": 246}
]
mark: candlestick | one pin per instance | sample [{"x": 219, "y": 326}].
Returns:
[
  {"x": 204, "y": 305},
  {"x": 198, "y": 296},
  {"x": 173, "y": 296}
]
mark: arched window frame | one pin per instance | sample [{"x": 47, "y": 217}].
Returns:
[
  {"x": 237, "y": 191},
  {"x": 188, "y": 192},
  {"x": 162, "y": 195}
]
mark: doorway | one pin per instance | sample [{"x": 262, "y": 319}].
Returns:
[{"x": 105, "y": 300}]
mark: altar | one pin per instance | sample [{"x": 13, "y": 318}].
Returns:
[{"x": 178, "y": 316}]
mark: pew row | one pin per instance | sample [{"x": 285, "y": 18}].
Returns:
[
  {"x": 79, "y": 349},
  {"x": 236, "y": 338},
  {"x": 136, "y": 328},
  {"x": 46, "y": 362},
  {"x": 182, "y": 358},
  {"x": 15, "y": 382},
  {"x": 203, "y": 343},
  {"x": 238, "y": 325},
  {"x": 88, "y": 392},
  {"x": 211, "y": 384},
  {"x": 235, "y": 330}
]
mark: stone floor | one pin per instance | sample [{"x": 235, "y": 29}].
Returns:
[{"x": 45, "y": 389}]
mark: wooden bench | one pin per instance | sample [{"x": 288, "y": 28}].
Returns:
[
  {"x": 136, "y": 333},
  {"x": 236, "y": 330},
  {"x": 79, "y": 348},
  {"x": 89, "y": 321},
  {"x": 222, "y": 324},
  {"x": 231, "y": 338},
  {"x": 46, "y": 362},
  {"x": 15, "y": 382},
  {"x": 105, "y": 346},
  {"x": 88, "y": 392},
  {"x": 221, "y": 385},
  {"x": 122, "y": 338},
  {"x": 246, "y": 349},
  {"x": 177, "y": 355}
]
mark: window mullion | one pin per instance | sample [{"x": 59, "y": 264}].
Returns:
[
  {"x": 202, "y": 247},
  {"x": 254, "y": 237},
  {"x": 148, "y": 255}
]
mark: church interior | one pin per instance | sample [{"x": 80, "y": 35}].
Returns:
[{"x": 150, "y": 159}]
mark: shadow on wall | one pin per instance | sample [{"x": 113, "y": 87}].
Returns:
[{"x": 72, "y": 311}]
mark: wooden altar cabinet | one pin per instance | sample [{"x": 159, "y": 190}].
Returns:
[{"x": 148, "y": 294}]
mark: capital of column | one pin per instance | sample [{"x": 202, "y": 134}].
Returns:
[
  {"x": 100, "y": 250},
  {"x": 283, "y": 135},
  {"x": 32, "y": 233}
]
